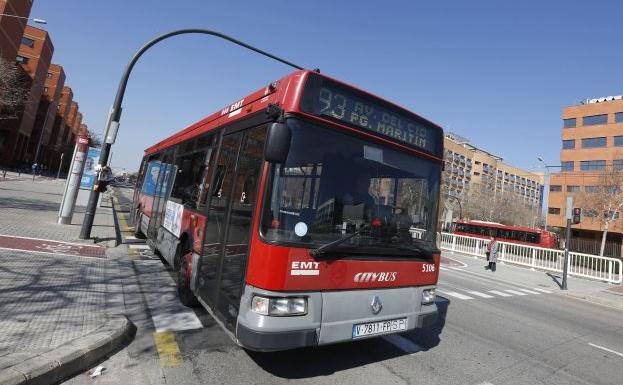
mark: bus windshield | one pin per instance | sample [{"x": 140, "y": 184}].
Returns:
[{"x": 333, "y": 185}]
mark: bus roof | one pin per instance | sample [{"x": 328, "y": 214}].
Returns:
[{"x": 285, "y": 92}]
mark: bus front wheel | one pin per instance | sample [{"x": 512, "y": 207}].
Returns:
[{"x": 185, "y": 294}]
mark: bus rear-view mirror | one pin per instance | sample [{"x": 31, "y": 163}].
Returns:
[{"x": 277, "y": 143}]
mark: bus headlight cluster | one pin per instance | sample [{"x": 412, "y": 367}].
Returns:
[
  {"x": 428, "y": 296},
  {"x": 279, "y": 306}
]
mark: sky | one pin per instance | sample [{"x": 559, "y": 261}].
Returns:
[{"x": 496, "y": 72}]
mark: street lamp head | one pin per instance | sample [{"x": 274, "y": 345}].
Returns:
[
  {"x": 539, "y": 158},
  {"x": 40, "y": 21}
]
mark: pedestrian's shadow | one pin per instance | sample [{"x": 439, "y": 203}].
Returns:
[
  {"x": 326, "y": 360},
  {"x": 555, "y": 278}
]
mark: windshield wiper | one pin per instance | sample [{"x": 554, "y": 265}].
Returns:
[{"x": 323, "y": 249}]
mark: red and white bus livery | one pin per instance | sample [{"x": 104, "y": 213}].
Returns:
[
  {"x": 513, "y": 234},
  {"x": 290, "y": 214}
]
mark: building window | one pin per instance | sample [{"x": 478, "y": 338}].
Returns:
[
  {"x": 590, "y": 213},
  {"x": 568, "y": 123},
  {"x": 553, "y": 210},
  {"x": 573, "y": 189},
  {"x": 29, "y": 42},
  {"x": 617, "y": 164},
  {"x": 591, "y": 189},
  {"x": 567, "y": 166},
  {"x": 48, "y": 75},
  {"x": 21, "y": 59},
  {"x": 595, "y": 119},
  {"x": 593, "y": 165},
  {"x": 618, "y": 117},
  {"x": 555, "y": 188},
  {"x": 618, "y": 141},
  {"x": 45, "y": 90},
  {"x": 594, "y": 142},
  {"x": 568, "y": 144}
]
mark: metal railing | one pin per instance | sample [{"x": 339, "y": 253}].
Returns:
[{"x": 580, "y": 265}]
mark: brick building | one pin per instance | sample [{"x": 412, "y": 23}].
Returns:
[
  {"x": 34, "y": 56},
  {"x": 12, "y": 28},
  {"x": 467, "y": 165},
  {"x": 592, "y": 143},
  {"x": 44, "y": 123}
]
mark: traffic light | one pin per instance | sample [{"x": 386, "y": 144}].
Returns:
[{"x": 577, "y": 215}]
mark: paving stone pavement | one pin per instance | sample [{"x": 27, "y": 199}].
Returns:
[
  {"x": 30, "y": 209},
  {"x": 47, "y": 299}
]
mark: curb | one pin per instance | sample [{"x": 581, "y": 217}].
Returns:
[
  {"x": 71, "y": 357},
  {"x": 594, "y": 300}
]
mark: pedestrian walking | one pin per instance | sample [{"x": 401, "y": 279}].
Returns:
[{"x": 492, "y": 254}]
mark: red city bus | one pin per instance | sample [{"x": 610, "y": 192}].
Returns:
[
  {"x": 513, "y": 234},
  {"x": 289, "y": 214}
]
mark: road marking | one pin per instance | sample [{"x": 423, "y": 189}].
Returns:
[
  {"x": 479, "y": 294},
  {"x": 500, "y": 293},
  {"x": 167, "y": 312},
  {"x": 455, "y": 294},
  {"x": 606, "y": 349},
  {"x": 530, "y": 291},
  {"x": 403, "y": 343},
  {"x": 542, "y": 290},
  {"x": 140, "y": 246},
  {"x": 455, "y": 268},
  {"x": 442, "y": 268},
  {"x": 168, "y": 349},
  {"x": 515, "y": 292}
]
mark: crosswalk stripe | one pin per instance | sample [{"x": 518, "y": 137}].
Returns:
[
  {"x": 515, "y": 292},
  {"x": 530, "y": 291},
  {"x": 479, "y": 294},
  {"x": 500, "y": 293},
  {"x": 542, "y": 290},
  {"x": 456, "y": 295}
]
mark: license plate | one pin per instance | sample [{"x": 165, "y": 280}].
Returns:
[{"x": 381, "y": 327}]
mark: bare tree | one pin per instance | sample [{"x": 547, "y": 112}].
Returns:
[
  {"x": 96, "y": 140},
  {"x": 14, "y": 89},
  {"x": 603, "y": 201}
]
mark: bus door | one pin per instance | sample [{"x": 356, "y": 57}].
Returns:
[
  {"x": 166, "y": 178},
  {"x": 222, "y": 268}
]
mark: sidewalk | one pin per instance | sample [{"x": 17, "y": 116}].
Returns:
[
  {"x": 584, "y": 289},
  {"x": 63, "y": 300}
]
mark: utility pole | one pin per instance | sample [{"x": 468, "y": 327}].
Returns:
[
  {"x": 60, "y": 165},
  {"x": 565, "y": 267},
  {"x": 114, "y": 116}
]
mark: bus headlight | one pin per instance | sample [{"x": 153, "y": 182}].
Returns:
[
  {"x": 279, "y": 306},
  {"x": 428, "y": 296}
]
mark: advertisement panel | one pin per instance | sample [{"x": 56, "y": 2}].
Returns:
[
  {"x": 89, "y": 175},
  {"x": 173, "y": 217}
]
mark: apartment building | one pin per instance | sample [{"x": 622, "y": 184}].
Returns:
[
  {"x": 592, "y": 142},
  {"x": 468, "y": 165},
  {"x": 12, "y": 28}
]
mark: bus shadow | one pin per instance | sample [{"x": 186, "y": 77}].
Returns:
[{"x": 327, "y": 360}]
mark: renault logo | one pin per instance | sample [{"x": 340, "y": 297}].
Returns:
[{"x": 376, "y": 305}]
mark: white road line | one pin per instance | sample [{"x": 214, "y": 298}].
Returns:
[
  {"x": 455, "y": 294},
  {"x": 515, "y": 292},
  {"x": 500, "y": 293},
  {"x": 141, "y": 246},
  {"x": 403, "y": 344},
  {"x": 606, "y": 349},
  {"x": 442, "y": 268},
  {"x": 455, "y": 268},
  {"x": 167, "y": 312},
  {"x": 479, "y": 294},
  {"x": 529, "y": 291},
  {"x": 542, "y": 290}
]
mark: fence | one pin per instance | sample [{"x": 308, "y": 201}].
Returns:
[{"x": 579, "y": 264}]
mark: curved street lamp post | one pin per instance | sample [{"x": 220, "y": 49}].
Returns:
[{"x": 112, "y": 124}]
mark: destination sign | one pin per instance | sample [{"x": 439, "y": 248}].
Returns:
[{"x": 328, "y": 99}]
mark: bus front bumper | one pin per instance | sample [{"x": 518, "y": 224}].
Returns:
[{"x": 331, "y": 317}]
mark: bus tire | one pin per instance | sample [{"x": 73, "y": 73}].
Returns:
[
  {"x": 138, "y": 233},
  {"x": 185, "y": 294}
]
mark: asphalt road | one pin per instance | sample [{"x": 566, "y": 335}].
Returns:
[{"x": 516, "y": 337}]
